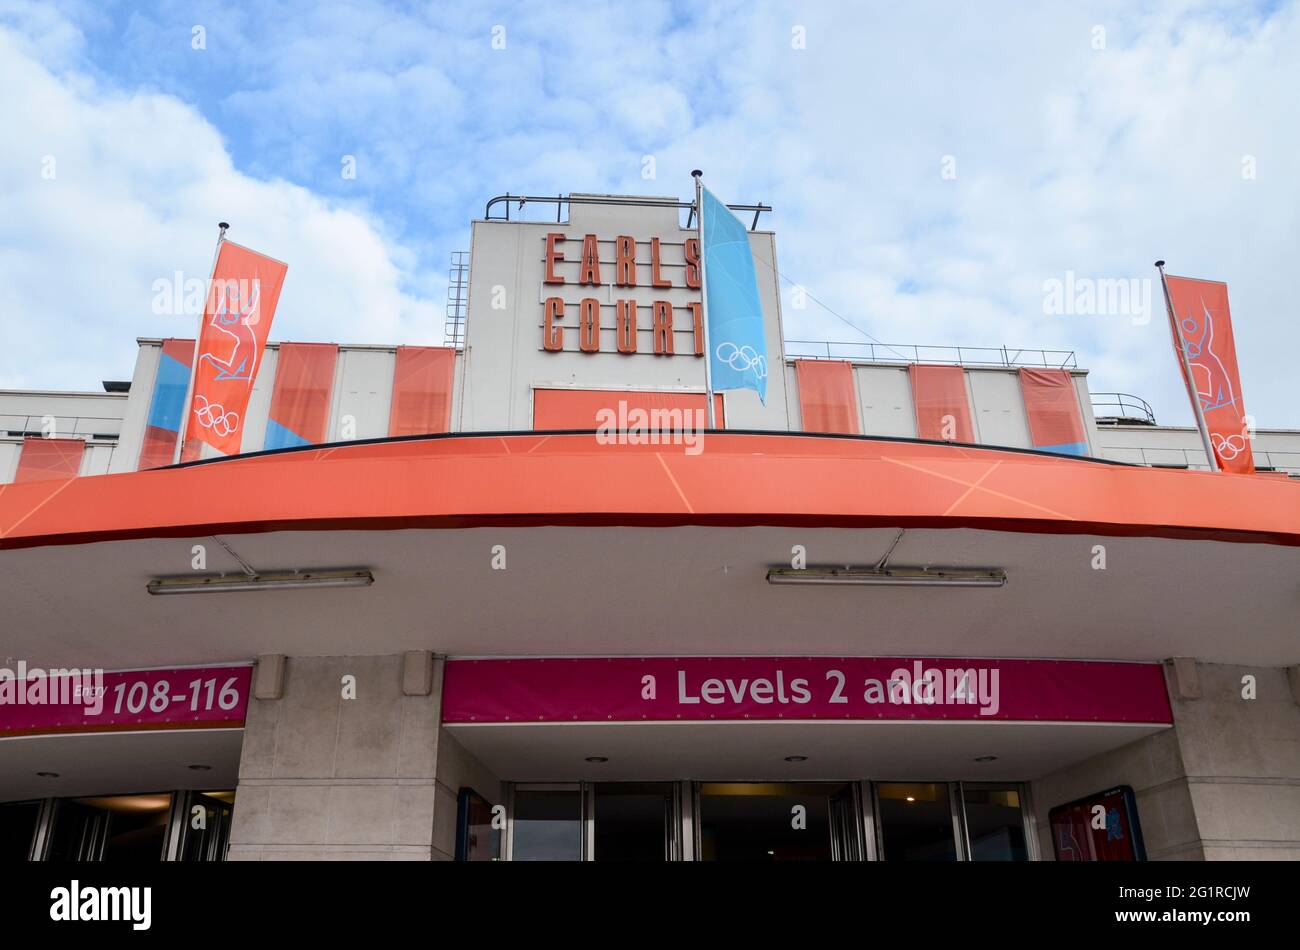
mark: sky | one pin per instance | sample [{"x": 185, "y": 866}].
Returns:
[{"x": 936, "y": 169}]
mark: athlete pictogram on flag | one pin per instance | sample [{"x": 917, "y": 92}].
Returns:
[
  {"x": 236, "y": 321},
  {"x": 1202, "y": 326}
]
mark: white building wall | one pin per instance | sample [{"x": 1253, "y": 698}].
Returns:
[
  {"x": 1181, "y": 445},
  {"x": 886, "y": 407},
  {"x": 95, "y": 417},
  {"x": 885, "y": 400},
  {"x": 363, "y": 390},
  {"x": 505, "y": 362},
  {"x": 793, "y": 412},
  {"x": 136, "y": 416},
  {"x": 363, "y": 394},
  {"x": 10, "y": 449},
  {"x": 62, "y": 415},
  {"x": 1089, "y": 419},
  {"x": 505, "y": 358},
  {"x": 259, "y": 402},
  {"x": 363, "y": 384},
  {"x": 98, "y": 458},
  {"x": 997, "y": 408}
]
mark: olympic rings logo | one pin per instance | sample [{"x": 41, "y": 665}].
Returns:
[
  {"x": 213, "y": 416},
  {"x": 1228, "y": 448},
  {"x": 742, "y": 358}
]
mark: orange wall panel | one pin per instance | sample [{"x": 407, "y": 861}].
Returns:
[
  {"x": 1052, "y": 406},
  {"x": 422, "y": 385},
  {"x": 300, "y": 399},
  {"x": 45, "y": 459},
  {"x": 828, "y": 400},
  {"x": 942, "y": 405}
]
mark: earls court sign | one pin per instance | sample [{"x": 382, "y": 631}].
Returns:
[{"x": 628, "y": 311}]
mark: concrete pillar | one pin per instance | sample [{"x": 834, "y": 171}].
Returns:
[
  {"x": 1153, "y": 767},
  {"x": 1240, "y": 746},
  {"x": 1181, "y": 672},
  {"x": 322, "y": 776},
  {"x": 1223, "y": 783},
  {"x": 457, "y": 769}
]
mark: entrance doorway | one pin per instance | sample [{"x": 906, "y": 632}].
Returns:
[
  {"x": 765, "y": 822},
  {"x": 202, "y": 825},
  {"x": 952, "y": 821},
  {"x": 674, "y": 821},
  {"x": 127, "y": 829},
  {"x": 18, "y": 824},
  {"x": 758, "y": 822},
  {"x": 596, "y": 821},
  {"x": 162, "y": 826},
  {"x": 634, "y": 821}
]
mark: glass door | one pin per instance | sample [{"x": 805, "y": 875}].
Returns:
[
  {"x": 18, "y": 824},
  {"x": 916, "y": 821},
  {"x": 953, "y": 821},
  {"x": 117, "y": 828},
  {"x": 595, "y": 821},
  {"x": 993, "y": 816},
  {"x": 634, "y": 821},
  {"x": 846, "y": 824},
  {"x": 765, "y": 822},
  {"x": 202, "y": 825},
  {"x": 546, "y": 823}
]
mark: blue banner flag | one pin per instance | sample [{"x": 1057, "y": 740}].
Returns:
[{"x": 735, "y": 315}]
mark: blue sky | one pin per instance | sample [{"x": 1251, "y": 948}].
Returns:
[{"x": 1069, "y": 155}]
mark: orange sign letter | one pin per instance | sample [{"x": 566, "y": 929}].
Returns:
[
  {"x": 552, "y": 332},
  {"x": 625, "y": 327},
  {"x": 662, "y": 327}
]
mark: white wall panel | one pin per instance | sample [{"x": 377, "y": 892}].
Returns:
[
  {"x": 363, "y": 390},
  {"x": 793, "y": 411},
  {"x": 10, "y": 449},
  {"x": 505, "y": 360},
  {"x": 1085, "y": 406},
  {"x": 885, "y": 397},
  {"x": 97, "y": 459},
  {"x": 998, "y": 408},
  {"x": 131, "y": 439},
  {"x": 259, "y": 403}
]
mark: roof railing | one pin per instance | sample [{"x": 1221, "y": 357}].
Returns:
[
  {"x": 1003, "y": 356},
  {"x": 563, "y": 201},
  {"x": 1122, "y": 409}
]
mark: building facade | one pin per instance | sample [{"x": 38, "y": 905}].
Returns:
[{"x": 512, "y": 598}]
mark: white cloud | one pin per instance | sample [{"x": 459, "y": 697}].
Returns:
[
  {"x": 139, "y": 182},
  {"x": 1068, "y": 157}
]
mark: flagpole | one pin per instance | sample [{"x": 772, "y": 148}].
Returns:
[
  {"x": 704, "y": 295},
  {"x": 186, "y": 408},
  {"x": 1181, "y": 348}
]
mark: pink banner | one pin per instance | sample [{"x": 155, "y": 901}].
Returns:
[
  {"x": 659, "y": 689},
  {"x": 34, "y": 702}
]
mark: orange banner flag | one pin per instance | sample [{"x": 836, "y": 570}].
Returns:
[
  {"x": 236, "y": 322},
  {"x": 1203, "y": 325}
]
